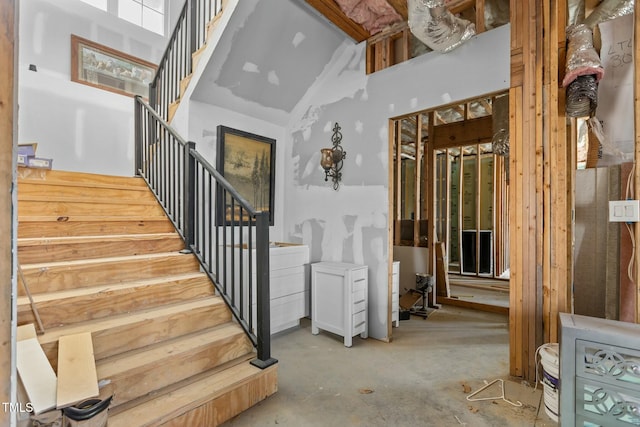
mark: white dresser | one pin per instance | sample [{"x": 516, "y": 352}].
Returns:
[
  {"x": 395, "y": 294},
  {"x": 289, "y": 284},
  {"x": 339, "y": 299}
]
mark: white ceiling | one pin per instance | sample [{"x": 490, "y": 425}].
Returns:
[{"x": 270, "y": 53}]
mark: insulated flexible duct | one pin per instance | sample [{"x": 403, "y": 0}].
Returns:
[
  {"x": 432, "y": 23},
  {"x": 609, "y": 9},
  {"x": 583, "y": 71}
]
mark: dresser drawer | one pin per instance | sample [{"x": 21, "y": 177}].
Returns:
[
  {"x": 359, "y": 322},
  {"x": 288, "y": 281}
]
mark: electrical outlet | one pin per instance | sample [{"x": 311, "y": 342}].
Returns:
[{"x": 624, "y": 210}]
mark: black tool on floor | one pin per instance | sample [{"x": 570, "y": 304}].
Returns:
[{"x": 424, "y": 286}]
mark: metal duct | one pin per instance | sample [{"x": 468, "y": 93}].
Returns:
[
  {"x": 609, "y": 9},
  {"x": 432, "y": 23}
]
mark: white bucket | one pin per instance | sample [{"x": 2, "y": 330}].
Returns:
[{"x": 550, "y": 357}]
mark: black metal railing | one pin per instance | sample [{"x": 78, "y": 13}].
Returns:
[
  {"x": 189, "y": 35},
  {"x": 227, "y": 235}
]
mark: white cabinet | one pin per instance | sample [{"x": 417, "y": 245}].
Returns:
[
  {"x": 339, "y": 299},
  {"x": 395, "y": 294},
  {"x": 289, "y": 284}
]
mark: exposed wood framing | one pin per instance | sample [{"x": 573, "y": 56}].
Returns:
[
  {"x": 397, "y": 215},
  {"x": 541, "y": 182},
  {"x": 418, "y": 182},
  {"x": 332, "y": 11},
  {"x": 8, "y": 120},
  {"x": 636, "y": 109},
  {"x": 394, "y": 135}
]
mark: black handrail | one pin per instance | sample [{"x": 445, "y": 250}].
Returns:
[
  {"x": 189, "y": 35},
  {"x": 227, "y": 235}
]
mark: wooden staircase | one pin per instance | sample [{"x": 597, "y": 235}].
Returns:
[{"x": 99, "y": 254}]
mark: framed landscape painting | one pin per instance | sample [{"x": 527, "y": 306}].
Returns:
[
  {"x": 106, "y": 68},
  {"x": 247, "y": 161}
]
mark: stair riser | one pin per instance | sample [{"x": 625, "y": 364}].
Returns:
[
  {"x": 29, "y": 191},
  {"x": 137, "y": 382},
  {"x": 91, "y": 250},
  {"x": 62, "y": 228},
  {"x": 138, "y": 334},
  {"x": 230, "y": 404},
  {"x": 57, "y": 278},
  {"x": 72, "y": 209},
  {"x": 59, "y": 176},
  {"x": 104, "y": 304}
]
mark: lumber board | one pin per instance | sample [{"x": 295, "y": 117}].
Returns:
[
  {"x": 37, "y": 375},
  {"x": 8, "y": 141},
  {"x": 75, "y": 178},
  {"x": 130, "y": 331},
  {"x": 100, "y": 207},
  {"x": 137, "y": 373},
  {"x": 53, "y": 249},
  {"x": 78, "y": 305},
  {"x": 54, "y": 226},
  {"x": 473, "y": 305},
  {"x": 635, "y": 305},
  {"x": 25, "y": 332},
  {"x": 77, "y": 377},
  {"x": 58, "y": 276},
  {"x": 31, "y": 189},
  {"x": 442, "y": 271},
  {"x": 195, "y": 403}
]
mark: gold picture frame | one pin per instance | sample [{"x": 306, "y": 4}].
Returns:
[{"x": 105, "y": 68}]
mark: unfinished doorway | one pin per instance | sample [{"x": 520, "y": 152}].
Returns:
[{"x": 450, "y": 192}]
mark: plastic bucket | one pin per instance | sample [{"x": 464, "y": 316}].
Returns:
[{"x": 550, "y": 358}]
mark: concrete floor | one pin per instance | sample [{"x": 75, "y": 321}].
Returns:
[{"x": 422, "y": 378}]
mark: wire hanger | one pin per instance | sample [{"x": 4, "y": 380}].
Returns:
[{"x": 502, "y": 396}]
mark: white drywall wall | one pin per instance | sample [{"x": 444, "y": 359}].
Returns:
[
  {"x": 82, "y": 128},
  {"x": 351, "y": 224}
]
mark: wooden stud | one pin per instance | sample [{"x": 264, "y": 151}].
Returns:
[
  {"x": 636, "y": 178},
  {"x": 8, "y": 127},
  {"x": 418, "y": 183}
]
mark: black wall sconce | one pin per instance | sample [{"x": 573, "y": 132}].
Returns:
[{"x": 331, "y": 158}]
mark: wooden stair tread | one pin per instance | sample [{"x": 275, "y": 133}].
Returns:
[
  {"x": 66, "y": 240},
  {"x": 113, "y": 322},
  {"x": 31, "y": 175},
  {"x": 187, "y": 396},
  {"x": 92, "y": 218},
  {"x": 128, "y": 376},
  {"x": 117, "y": 259},
  {"x": 128, "y": 331},
  {"x": 92, "y": 290},
  {"x": 88, "y": 200},
  {"x": 185, "y": 344},
  {"x": 135, "y": 184}
]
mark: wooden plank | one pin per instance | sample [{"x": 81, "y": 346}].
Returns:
[
  {"x": 8, "y": 141},
  {"x": 78, "y": 305},
  {"x": 223, "y": 395},
  {"x": 468, "y": 132},
  {"x": 53, "y": 226},
  {"x": 131, "y": 331},
  {"x": 473, "y": 305},
  {"x": 143, "y": 371},
  {"x": 49, "y": 277},
  {"x": 77, "y": 377},
  {"x": 78, "y": 178},
  {"x": 54, "y": 249},
  {"x": 442, "y": 271},
  {"x": 418, "y": 183},
  {"x": 70, "y": 208},
  {"x": 392, "y": 125},
  {"x": 636, "y": 119},
  {"x": 26, "y": 332},
  {"x": 36, "y": 375}
]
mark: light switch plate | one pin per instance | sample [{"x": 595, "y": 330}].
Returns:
[{"x": 624, "y": 210}]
